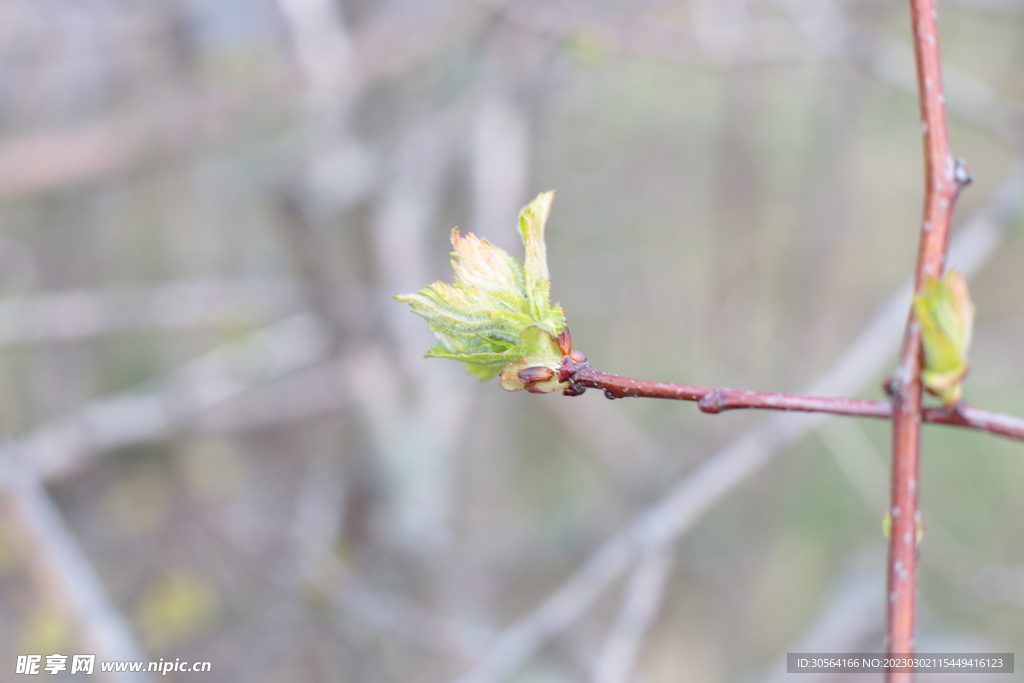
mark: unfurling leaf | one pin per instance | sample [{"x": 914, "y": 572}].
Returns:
[
  {"x": 496, "y": 317},
  {"x": 946, "y": 316}
]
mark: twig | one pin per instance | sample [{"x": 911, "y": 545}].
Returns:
[
  {"x": 712, "y": 400},
  {"x": 941, "y": 189},
  {"x": 687, "y": 501}
]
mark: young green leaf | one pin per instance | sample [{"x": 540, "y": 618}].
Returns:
[
  {"x": 496, "y": 316},
  {"x": 946, "y": 317}
]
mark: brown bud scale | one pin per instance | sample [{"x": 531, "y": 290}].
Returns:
[{"x": 535, "y": 374}]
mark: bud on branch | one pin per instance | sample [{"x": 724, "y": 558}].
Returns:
[{"x": 946, "y": 316}]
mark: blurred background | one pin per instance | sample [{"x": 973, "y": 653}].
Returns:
[{"x": 222, "y": 443}]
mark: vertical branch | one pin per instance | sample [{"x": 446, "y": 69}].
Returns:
[{"x": 940, "y": 192}]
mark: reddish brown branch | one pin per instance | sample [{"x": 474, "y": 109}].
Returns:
[
  {"x": 941, "y": 189},
  {"x": 713, "y": 400},
  {"x": 731, "y": 399}
]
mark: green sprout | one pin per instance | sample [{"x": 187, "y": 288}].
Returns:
[
  {"x": 946, "y": 316},
  {"x": 496, "y": 317}
]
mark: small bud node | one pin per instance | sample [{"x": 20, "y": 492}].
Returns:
[{"x": 961, "y": 174}]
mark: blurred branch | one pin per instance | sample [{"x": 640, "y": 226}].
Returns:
[
  {"x": 680, "y": 509},
  {"x": 323, "y": 50},
  {"x": 721, "y": 45},
  {"x": 415, "y": 437},
  {"x": 315, "y": 389},
  {"x": 85, "y": 313},
  {"x": 617, "y": 657},
  {"x": 401, "y": 35},
  {"x": 52, "y": 159},
  {"x": 852, "y": 615},
  {"x": 62, "y": 568},
  {"x": 885, "y": 58},
  {"x": 313, "y": 263},
  {"x": 500, "y": 161},
  {"x": 384, "y": 46},
  {"x": 867, "y": 472},
  {"x": 865, "y": 469},
  {"x": 353, "y": 596},
  {"x": 398, "y": 616},
  {"x": 610, "y": 433},
  {"x": 64, "y": 444},
  {"x": 717, "y": 39},
  {"x": 1005, "y": 8},
  {"x": 998, "y": 584}
]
